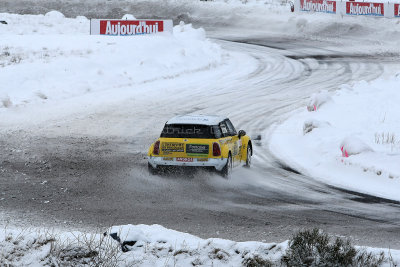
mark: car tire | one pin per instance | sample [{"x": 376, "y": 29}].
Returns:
[
  {"x": 227, "y": 169},
  {"x": 248, "y": 156},
  {"x": 152, "y": 170}
]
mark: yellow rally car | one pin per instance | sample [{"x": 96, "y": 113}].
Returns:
[{"x": 200, "y": 141}]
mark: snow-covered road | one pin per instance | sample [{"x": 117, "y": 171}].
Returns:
[
  {"x": 89, "y": 167},
  {"x": 98, "y": 171}
]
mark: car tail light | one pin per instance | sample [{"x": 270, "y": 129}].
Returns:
[
  {"x": 156, "y": 148},
  {"x": 216, "y": 150}
]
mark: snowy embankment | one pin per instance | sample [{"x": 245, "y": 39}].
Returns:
[
  {"x": 50, "y": 58},
  {"x": 350, "y": 138},
  {"x": 154, "y": 245}
]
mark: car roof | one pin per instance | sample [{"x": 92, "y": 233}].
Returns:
[{"x": 197, "y": 119}]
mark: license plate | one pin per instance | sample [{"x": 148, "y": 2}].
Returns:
[{"x": 184, "y": 159}]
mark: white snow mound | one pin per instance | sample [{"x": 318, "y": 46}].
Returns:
[
  {"x": 55, "y": 14},
  {"x": 128, "y": 17},
  {"x": 317, "y": 100},
  {"x": 154, "y": 244},
  {"x": 353, "y": 146}
]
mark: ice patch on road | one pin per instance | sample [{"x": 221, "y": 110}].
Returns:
[{"x": 358, "y": 146}]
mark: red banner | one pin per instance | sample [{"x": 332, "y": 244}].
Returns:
[
  {"x": 130, "y": 27},
  {"x": 397, "y": 10},
  {"x": 365, "y": 8},
  {"x": 318, "y": 6}
]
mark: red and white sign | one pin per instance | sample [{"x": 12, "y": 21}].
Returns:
[
  {"x": 365, "y": 8},
  {"x": 318, "y": 6},
  {"x": 129, "y": 27},
  {"x": 397, "y": 10}
]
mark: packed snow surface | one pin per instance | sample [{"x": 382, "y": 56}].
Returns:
[
  {"x": 146, "y": 245},
  {"x": 351, "y": 141}
]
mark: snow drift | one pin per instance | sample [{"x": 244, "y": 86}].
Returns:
[
  {"x": 146, "y": 245},
  {"x": 350, "y": 141}
]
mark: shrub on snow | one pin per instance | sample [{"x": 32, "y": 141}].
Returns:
[
  {"x": 352, "y": 146},
  {"x": 315, "y": 248},
  {"x": 317, "y": 100}
]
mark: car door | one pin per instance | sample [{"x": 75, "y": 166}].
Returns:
[{"x": 235, "y": 142}]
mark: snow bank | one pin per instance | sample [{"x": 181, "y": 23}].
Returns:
[
  {"x": 352, "y": 141},
  {"x": 52, "y": 58},
  {"x": 146, "y": 245},
  {"x": 155, "y": 245}
]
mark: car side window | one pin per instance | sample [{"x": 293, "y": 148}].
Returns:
[
  {"x": 224, "y": 129},
  {"x": 216, "y": 131},
  {"x": 231, "y": 129}
]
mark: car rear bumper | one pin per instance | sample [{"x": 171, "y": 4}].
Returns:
[{"x": 160, "y": 161}]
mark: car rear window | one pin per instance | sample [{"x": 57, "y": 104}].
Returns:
[{"x": 191, "y": 131}]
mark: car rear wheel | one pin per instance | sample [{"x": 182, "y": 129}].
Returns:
[
  {"x": 152, "y": 170},
  {"x": 248, "y": 158},
  {"x": 227, "y": 169}
]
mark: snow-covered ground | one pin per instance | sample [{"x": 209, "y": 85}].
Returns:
[
  {"x": 145, "y": 245},
  {"x": 47, "y": 59},
  {"x": 67, "y": 62},
  {"x": 349, "y": 138}
]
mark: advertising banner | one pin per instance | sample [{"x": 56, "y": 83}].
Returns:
[
  {"x": 318, "y": 6},
  {"x": 129, "y": 27},
  {"x": 397, "y": 10},
  {"x": 365, "y": 9}
]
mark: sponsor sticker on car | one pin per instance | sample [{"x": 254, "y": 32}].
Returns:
[
  {"x": 197, "y": 150},
  {"x": 184, "y": 159},
  {"x": 172, "y": 147}
]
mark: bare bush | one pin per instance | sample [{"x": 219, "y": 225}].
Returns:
[
  {"x": 315, "y": 248},
  {"x": 385, "y": 138},
  {"x": 256, "y": 260},
  {"x": 76, "y": 250}
]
